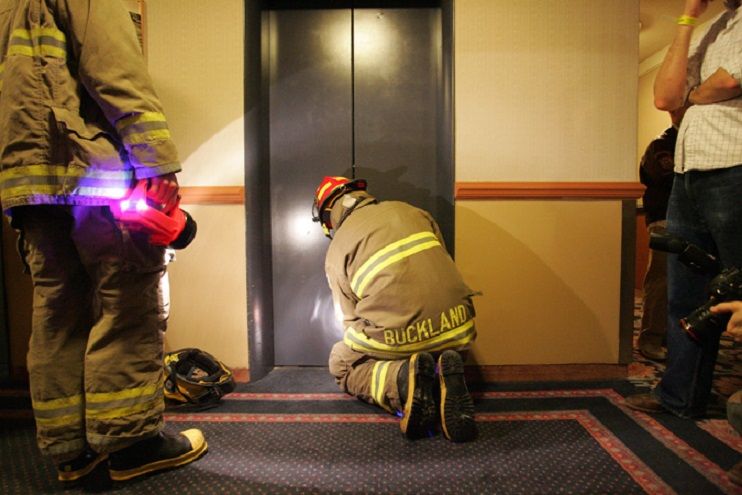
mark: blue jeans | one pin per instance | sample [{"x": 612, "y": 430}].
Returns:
[{"x": 705, "y": 209}]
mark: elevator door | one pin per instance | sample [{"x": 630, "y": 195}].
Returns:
[{"x": 355, "y": 93}]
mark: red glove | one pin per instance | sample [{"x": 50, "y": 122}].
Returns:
[{"x": 138, "y": 214}]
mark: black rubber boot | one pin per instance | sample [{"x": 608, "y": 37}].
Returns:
[
  {"x": 415, "y": 382},
  {"x": 163, "y": 451},
  {"x": 457, "y": 406},
  {"x": 71, "y": 472}
]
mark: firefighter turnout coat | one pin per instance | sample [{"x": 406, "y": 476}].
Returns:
[
  {"x": 80, "y": 121},
  {"x": 398, "y": 289}
]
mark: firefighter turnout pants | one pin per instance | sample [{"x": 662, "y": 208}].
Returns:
[
  {"x": 369, "y": 379},
  {"x": 95, "y": 353}
]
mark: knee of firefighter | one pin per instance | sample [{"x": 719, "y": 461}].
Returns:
[{"x": 339, "y": 367}]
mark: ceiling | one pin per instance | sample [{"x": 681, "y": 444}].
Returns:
[{"x": 657, "y": 18}]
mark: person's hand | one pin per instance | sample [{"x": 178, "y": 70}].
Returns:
[
  {"x": 163, "y": 190},
  {"x": 696, "y": 8},
  {"x": 734, "y": 327}
]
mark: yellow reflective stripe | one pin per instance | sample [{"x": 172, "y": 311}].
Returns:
[
  {"x": 41, "y": 180},
  {"x": 139, "y": 118},
  {"x": 129, "y": 393},
  {"x": 33, "y": 43},
  {"x": 375, "y": 263},
  {"x": 35, "y": 190},
  {"x": 63, "y": 402},
  {"x": 55, "y": 190},
  {"x": 143, "y": 127},
  {"x": 383, "y": 251},
  {"x": 145, "y": 137},
  {"x": 68, "y": 420},
  {"x": 40, "y": 32},
  {"x": 64, "y": 411},
  {"x": 107, "y": 405},
  {"x": 323, "y": 189},
  {"x": 360, "y": 342},
  {"x": 394, "y": 259},
  {"x": 378, "y": 383},
  {"x": 21, "y": 171},
  {"x": 121, "y": 411}
]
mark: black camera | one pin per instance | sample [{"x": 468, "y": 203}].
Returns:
[{"x": 725, "y": 286}]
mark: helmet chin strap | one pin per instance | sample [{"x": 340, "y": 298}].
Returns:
[{"x": 350, "y": 203}]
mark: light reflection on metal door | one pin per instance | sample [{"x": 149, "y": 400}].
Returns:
[{"x": 380, "y": 94}]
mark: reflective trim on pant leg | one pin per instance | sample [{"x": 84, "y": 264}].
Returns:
[
  {"x": 65, "y": 411},
  {"x": 379, "y": 378},
  {"x": 109, "y": 405}
]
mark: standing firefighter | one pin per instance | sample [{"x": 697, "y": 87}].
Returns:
[
  {"x": 80, "y": 125},
  {"x": 403, "y": 301}
]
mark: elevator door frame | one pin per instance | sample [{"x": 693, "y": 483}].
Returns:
[{"x": 261, "y": 351}]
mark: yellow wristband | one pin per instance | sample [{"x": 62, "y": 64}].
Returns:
[{"x": 687, "y": 20}]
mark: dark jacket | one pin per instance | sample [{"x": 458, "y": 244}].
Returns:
[{"x": 656, "y": 173}]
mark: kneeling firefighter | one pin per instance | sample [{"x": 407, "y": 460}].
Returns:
[{"x": 404, "y": 306}]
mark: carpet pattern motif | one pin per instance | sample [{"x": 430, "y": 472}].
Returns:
[
  {"x": 533, "y": 439},
  {"x": 294, "y": 432}
]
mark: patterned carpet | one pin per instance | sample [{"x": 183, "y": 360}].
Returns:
[{"x": 293, "y": 432}]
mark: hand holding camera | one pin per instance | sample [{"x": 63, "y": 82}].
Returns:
[
  {"x": 734, "y": 327},
  {"x": 725, "y": 286}
]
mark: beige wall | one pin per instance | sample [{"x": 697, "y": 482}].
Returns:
[
  {"x": 545, "y": 91},
  {"x": 195, "y": 57},
  {"x": 207, "y": 284},
  {"x": 651, "y": 121},
  {"x": 549, "y": 279}
]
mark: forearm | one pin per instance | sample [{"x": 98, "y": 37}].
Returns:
[
  {"x": 720, "y": 86},
  {"x": 670, "y": 86},
  {"x": 670, "y": 83}
]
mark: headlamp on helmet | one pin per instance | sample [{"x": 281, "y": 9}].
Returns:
[{"x": 329, "y": 190}]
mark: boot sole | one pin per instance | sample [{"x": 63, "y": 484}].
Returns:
[
  {"x": 70, "y": 477},
  {"x": 419, "y": 411},
  {"x": 457, "y": 406},
  {"x": 198, "y": 448}
]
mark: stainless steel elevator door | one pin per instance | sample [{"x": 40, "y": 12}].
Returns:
[{"x": 368, "y": 83}]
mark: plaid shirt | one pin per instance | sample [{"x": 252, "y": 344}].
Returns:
[{"x": 710, "y": 136}]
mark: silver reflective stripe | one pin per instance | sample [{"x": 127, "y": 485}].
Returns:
[{"x": 65, "y": 411}]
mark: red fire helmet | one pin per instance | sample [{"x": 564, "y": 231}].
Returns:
[{"x": 329, "y": 189}]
